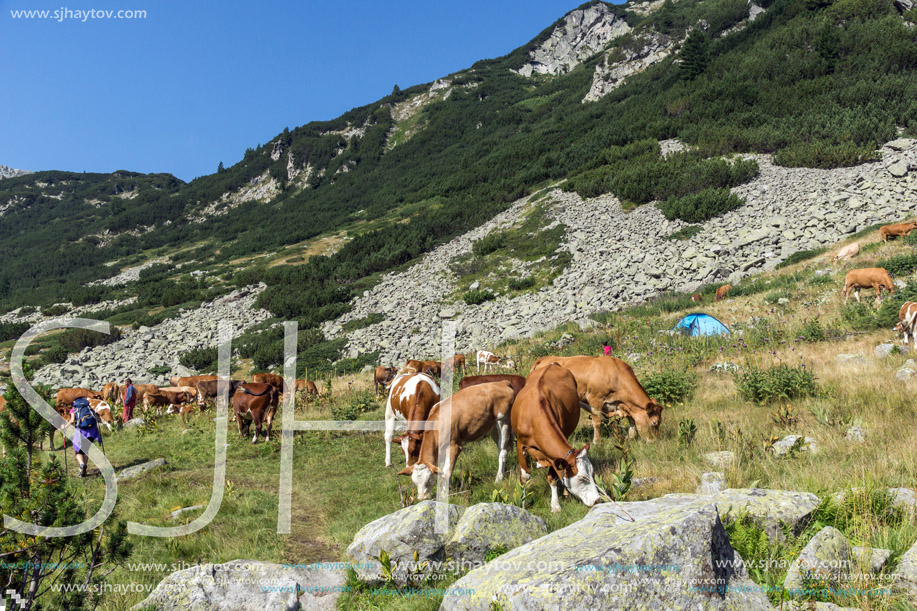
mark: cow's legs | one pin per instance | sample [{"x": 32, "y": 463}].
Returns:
[
  {"x": 554, "y": 483},
  {"x": 256, "y": 420},
  {"x": 503, "y": 443},
  {"x": 524, "y": 475},
  {"x": 389, "y": 431}
]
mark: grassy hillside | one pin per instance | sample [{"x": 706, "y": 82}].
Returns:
[{"x": 788, "y": 327}]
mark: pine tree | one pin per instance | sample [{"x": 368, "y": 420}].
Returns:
[
  {"x": 36, "y": 491},
  {"x": 220, "y": 168},
  {"x": 694, "y": 55}
]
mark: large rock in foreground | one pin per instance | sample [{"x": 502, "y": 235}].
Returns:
[
  {"x": 246, "y": 584},
  {"x": 472, "y": 532},
  {"x": 827, "y": 557},
  {"x": 667, "y": 553},
  {"x": 771, "y": 510}
]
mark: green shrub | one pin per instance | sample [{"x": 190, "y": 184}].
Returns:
[
  {"x": 54, "y": 354},
  {"x": 781, "y": 382},
  {"x": 521, "y": 284},
  {"x": 812, "y": 331},
  {"x": 488, "y": 244},
  {"x": 12, "y": 330},
  {"x": 360, "y": 323},
  {"x": 350, "y": 408},
  {"x": 74, "y": 340},
  {"x": 685, "y": 232},
  {"x": 801, "y": 255},
  {"x": 669, "y": 388},
  {"x": 203, "y": 360},
  {"x": 55, "y": 310},
  {"x": 478, "y": 296},
  {"x": 823, "y": 155},
  {"x": 900, "y": 265},
  {"x": 702, "y": 206}
]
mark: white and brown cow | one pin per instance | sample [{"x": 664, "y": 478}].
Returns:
[
  {"x": 476, "y": 411},
  {"x": 907, "y": 322},
  {"x": 488, "y": 359},
  {"x": 410, "y": 399},
  {"x": 847, "y": 252}
]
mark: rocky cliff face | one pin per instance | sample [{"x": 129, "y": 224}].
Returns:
[
  {"x": 584, "y": 32},
  {"x": 619, "y": 63},
  {"x": 8, "y": 172},
  {"x": 621, "y": 258}
]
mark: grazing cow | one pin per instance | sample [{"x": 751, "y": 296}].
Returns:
[
  {"x": 508, "y": 364},
  {"x": 66, "y": 397},
  {"x": 896, "y": 231},
  {"x": 189, "y": 380},
  {"x": 308, "y": 386},
  {"x": 410, "y": 399},
  {"x": 847, "y": 252},
  {"x": 544, "y": 415},
  {"x": 111, "y": 393},
  {"x": 268, "y": 378},
  {"x": 721, "y": 292},
  {"x": 476, "y": 411},
  {"x": 383, "y": 376},
  {"x": 255, "y": 403},
  {"x": 413, "y": 365},
  {"x": 209, "y": 389},
  {"x": 458, "y": 363},
  {"x": 102, "y": 410},
  {"x": 607, "y": 385},
  {"x": 868, "y": 277},
  {"x": 907, "y": 322},
  {"x": 696, "y": 297},
  {"x": 166, "y": 397},
  {"x": 488, "y": 359},
  {"x": 517, "y": 382}
]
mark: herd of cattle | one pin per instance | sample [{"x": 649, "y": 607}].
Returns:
[
  {"x": 540, "y": 411},
  {"x": 253, "y": 402}
]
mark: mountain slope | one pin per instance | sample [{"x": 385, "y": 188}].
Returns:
[{"x": 818, "y": 83}]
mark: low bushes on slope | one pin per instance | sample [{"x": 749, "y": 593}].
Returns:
[
  {"x": 781, "y": 382},
  {"x": 702, "y": 206}
]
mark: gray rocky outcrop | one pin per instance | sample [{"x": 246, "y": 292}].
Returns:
[
  {"x": 783, "y": 446},
  {"x": 618, "y": 63},
  {"x": 667, "y": 553},
  {"x": 488, "y": 526},
  {"x": 712, "y": 483},
  {"x": 771, "y": 510},
  {"x": 246, "y": 584},
  {"x": 582, "y": 33},
  {"x": 8, "y": 172}
]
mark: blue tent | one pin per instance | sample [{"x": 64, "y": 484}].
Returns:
[{"x": 701, "y": 324}]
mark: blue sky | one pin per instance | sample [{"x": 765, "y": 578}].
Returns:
[{"x": 195, "y": 83}]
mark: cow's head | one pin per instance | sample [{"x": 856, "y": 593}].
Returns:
[
  {"x": 410, "y": 443},
  {"x": 424, "y": 477},
  {"x": 577, "y": 476},
  {"x": 648, "y": 420}
]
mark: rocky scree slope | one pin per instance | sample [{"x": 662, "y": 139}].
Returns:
[{"x": 620, "y": 258}]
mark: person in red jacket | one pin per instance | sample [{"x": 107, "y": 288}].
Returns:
[{"x": 130, "y": 400}]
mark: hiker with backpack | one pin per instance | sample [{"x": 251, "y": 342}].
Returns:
[{"x": 83, "y": 418}]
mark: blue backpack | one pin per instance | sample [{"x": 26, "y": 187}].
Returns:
[{"x": 85, "y": 418}]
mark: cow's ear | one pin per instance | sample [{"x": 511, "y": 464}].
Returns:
[
  {"x": 407, "y": 470},
  {"x": 432, "y": 468},
  {"x": 397, "y": 439},
  {"x": 582, "y": 453},
  {"x": 560, "y": 466},
  {"x": 414, "y": 436}
]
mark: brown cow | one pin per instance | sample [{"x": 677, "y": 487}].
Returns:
[
  {"x": 383, "y": 376},
  {"x": 66, "y": 396},
  {"x": 189, "y": 380},
  {"x": 458, "y": 363},
  {"x": 209, "y": 389},
  {"x": 111, "y": 393},
  {"x": 410, "y": 399},
  {"x": 307, "y": 385},
  {"x": 696, "y": 297},
  {"x": 162, "y": 397},
  {"x": 545, "y": 413},
  {"x": 517, "y": 382},
  {"x": 896, "y": 231},
  {"x": 268, "y": 378},
  {"x": 607, "y": 385},
  {"x": 255, "y": 403},
  {"x": 475, "y": 411},
  {"x": 874, "y": 277},
  {"x": 722, "y": 291}
]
